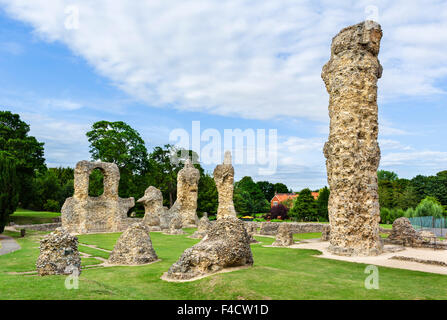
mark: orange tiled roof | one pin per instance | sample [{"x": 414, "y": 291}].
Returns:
[{"x": 280, "y": 197}]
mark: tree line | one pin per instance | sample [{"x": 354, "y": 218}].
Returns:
[{"x": 27, "y": 182}]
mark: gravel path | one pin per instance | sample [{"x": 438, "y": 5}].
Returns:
[
  {"x": 385, "y": 259},
  {"x": 8, "y": 245}
]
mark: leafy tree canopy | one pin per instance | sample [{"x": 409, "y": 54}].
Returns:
[{"x": 119, "y": 143}]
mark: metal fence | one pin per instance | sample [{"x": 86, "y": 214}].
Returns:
[{"x": 436, "y": 225}]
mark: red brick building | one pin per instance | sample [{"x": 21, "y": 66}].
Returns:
[{"x": 280, "y": 197}]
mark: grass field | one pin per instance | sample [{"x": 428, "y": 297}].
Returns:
[
  {"x": 278, "y": 273},
  {"x": 24, "y": 216}
]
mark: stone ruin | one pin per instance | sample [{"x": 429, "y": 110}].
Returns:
[
  {"x": 153, "y": 208},
  {"x": 134, "y": 247},
  {"x": 224, "y": 178},
  {"x": 59, "y": 254},
  {"x": 226, "y": 245},
  {"x": 106, "y": 213},
  {"x": 284, "y": 237},
  {"x": 187, "y": 192},
  {"x": 251, "y": 228},
  {"x": 326, "y": 233},
  {"x": 204, "y": 226},
  {"x": 404, "y": 234},
  {"x": 352, "y": 150},
  {"x": 175, "y": 226}
]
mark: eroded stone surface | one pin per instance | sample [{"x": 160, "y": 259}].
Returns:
[
  {"x": 187, "y": 191},
  {"x": 404, "y": 234},
  {"x": 269, "y": 228},
  {"x": 133, "y": 247},
  {"x": 284, "y": 237},
  {"x": 352, "y": 150},
  {"x": 175, "y": 226},
  {"x": 325, "y": 234},
  {"x": 224, "y": 178},
  {"x": 204, "y": 226},
  {"x": 106, "y": 213},
  {"x": 226, "y": 245},
  {"x": 59, "y": 254},
  {"x": 251, "y": 228},
  {"x": 153, "y": 207}
]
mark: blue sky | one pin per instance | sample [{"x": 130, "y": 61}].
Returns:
[{"x": 159, "y": 65}]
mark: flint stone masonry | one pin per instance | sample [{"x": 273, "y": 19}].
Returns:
[
  {"x": 224, "y": 178},
  {"x": 284, "y": 236},
  {"x": 352, "y": 150},
  {"x": 325, "y": 234},
  {"x": 153, "y": 207},
  {"x": 175, "y": 226},
  {"x": 271, "y": 228},
  {"x": 204, "y": 226},
  {"x": 133, "y": 247},
  {"x": 58, "y": 254},
  {"x": 187, "y": 192},
  {"x": 404, "y": 234},
  {"x": 251, "y": 230},
  {"x": 106, "y": 213},
  {"x": 226, "y": 245}
]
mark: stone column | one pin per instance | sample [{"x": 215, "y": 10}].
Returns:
[
  {"x": 187, "y": 192},
  {"x": 352, "y": 150},
  {"x": 224, "y": 178}
]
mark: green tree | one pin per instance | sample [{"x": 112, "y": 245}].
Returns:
[
  {"x": 322, "y": 204},
  {"x": 165, "y": 163},
  {"x": 9, "y": 189},
  {"x": 267, "y": 188},
  {"x": 386, "y": 175},
  {"x": 119, "y": 143},
  {"x": 304, "y": 207},
  {"x": 280, "y": 188},
  {"x": 429, "y": 207},
  {"x": 386, "y": 199},
  {"x": 207, "y": 199},
  {"x": 26, "y": 150},
  {"x": 249, "y": 198}
]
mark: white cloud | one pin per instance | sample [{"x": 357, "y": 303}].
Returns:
[
  {"x": 246, "y": 58},
  {"x": 66, "y": 140}
]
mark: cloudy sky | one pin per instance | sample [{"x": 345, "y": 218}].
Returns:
[{"x": 160, "y": 65}]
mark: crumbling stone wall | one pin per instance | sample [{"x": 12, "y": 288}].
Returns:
[
  {"x": 224, "y": 178},
  {"x": 352, "y": 150},
  {"x": 187, "y": 192},
  {"x": 133, "y": 247},
  {"x": 106, "y": 213},
  {"x": 58, "y": 254}
]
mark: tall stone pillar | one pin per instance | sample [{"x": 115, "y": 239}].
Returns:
[
  {"x": 187, "y": 192},
  {"x": 224, "y": 178},
  {"x": 352, "y": 150}
]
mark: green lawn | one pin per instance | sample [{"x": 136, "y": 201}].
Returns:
[
  {"x": 278, "y": 273},
  {"x": 25, "y": 216}
]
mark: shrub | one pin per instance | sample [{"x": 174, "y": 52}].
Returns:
[
  {"x": 278, "y": 212},
  {"x": 52, "y": 206}
]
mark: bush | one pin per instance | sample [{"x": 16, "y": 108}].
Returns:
[
  {"x": 278, "y": 212},
  {"x": 52, "y": 206},
  {"x": 388, "y": 216}
]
